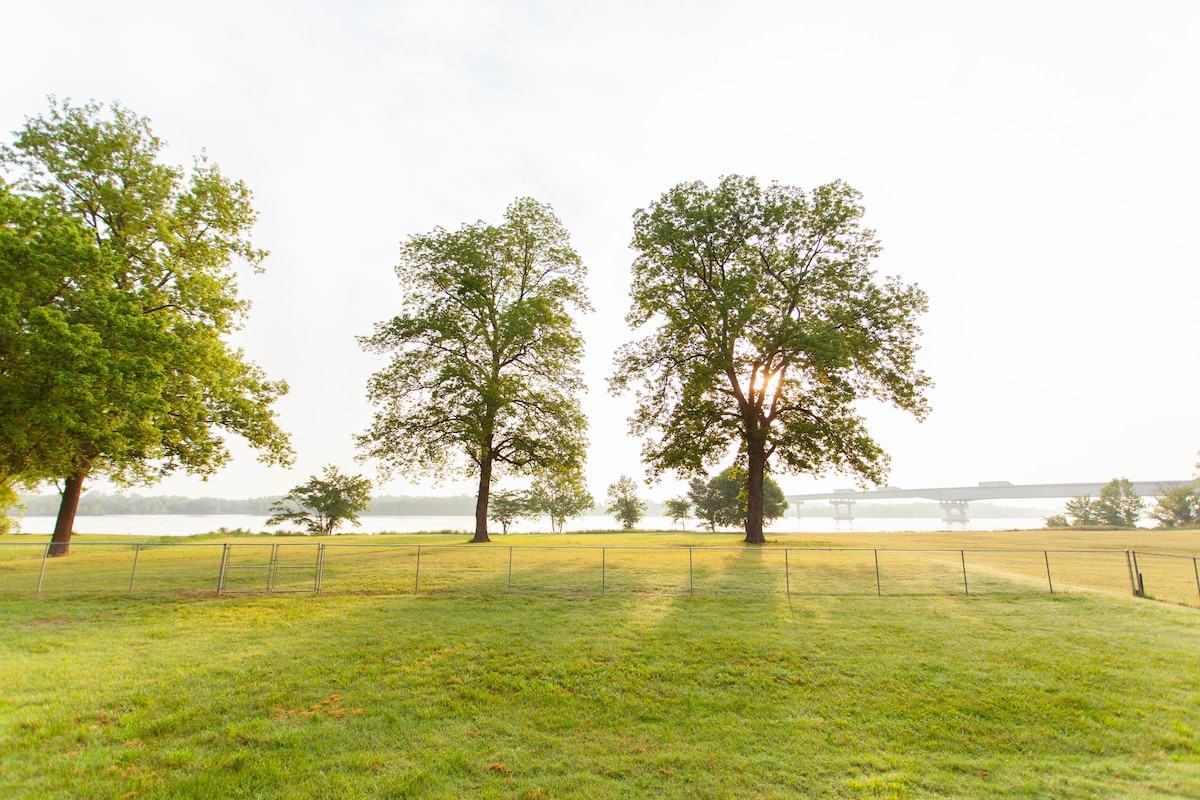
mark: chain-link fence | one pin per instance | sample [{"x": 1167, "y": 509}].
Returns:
[{"x": 388, "y": 568}]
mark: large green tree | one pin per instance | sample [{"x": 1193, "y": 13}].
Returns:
[
  {"x": 484, "y": 370},
  {"x": 767, "y": 325},
  {"x": 119, "y": 289}
]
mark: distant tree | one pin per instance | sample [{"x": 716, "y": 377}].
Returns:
[
  {"x": 561, "y": 496},
  {"x": 623, "y": 502},
  {"x": 484, "y": 370},
  {"x": 322, "y": 505},
  {"x": 767, "y": 325},
  {"x": 1119, "y": 505},
  {"x": 1056, "y": 521},
  {"x": 506, "y": 507},
  {"x": 706, "y": 500},
  {"x": 730, "y": 486},
  {"x": 1177, "y": 507},
  {"x": 678, "y": 509},
  {"x": 1083, "y": 511},
  {"x": 117, "y": 292},
  {"x": 722, "y": 500}
]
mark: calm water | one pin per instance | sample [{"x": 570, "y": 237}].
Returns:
[{"x": 185, "y": 525}]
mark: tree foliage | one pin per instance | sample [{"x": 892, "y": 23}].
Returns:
[
  {"x": 722, "y": 501},
  {"x": 678, "y": 510},
  {"x": 506, "y": 507},
  {"x": 1119, "y": 505},
  {"x": 768, "y": 324},
  {"x": 322, "y": 505},
  {"x": 1083, "y": 511},
  {"x": 624, "y": 503},
  {"x": 1177, "y": 507},
  {"x": 561, "y": 496},
  {"x": 484, "y": 357},
  {"x": 119, "y": 276}
]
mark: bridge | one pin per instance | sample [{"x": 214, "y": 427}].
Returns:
[{"x": 954, "y": 499}]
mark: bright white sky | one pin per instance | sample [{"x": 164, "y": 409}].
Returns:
[{"x": 1032, "y": 165}]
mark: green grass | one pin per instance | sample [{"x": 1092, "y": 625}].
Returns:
[{"x": 647, "y": 692}]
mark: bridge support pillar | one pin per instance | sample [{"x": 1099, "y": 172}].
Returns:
[
  {"x": 843, "y": 509},
  {"x": 956, "y": 510}
]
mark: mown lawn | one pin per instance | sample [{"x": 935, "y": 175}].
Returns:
[{"x": 627, "y": 695}]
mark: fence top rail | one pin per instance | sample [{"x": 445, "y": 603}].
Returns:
[
  {"x": 1166, "y": 555},
  {"x": 499, "y": 547}
]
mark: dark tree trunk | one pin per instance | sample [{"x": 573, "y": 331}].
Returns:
[
  {"x": 481, "y": 500},
  {"x": 60, "y": 542},
  {"x": 756, "y": 469}
]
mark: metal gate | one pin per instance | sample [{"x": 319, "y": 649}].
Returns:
[{"x": 269, "y": 568}]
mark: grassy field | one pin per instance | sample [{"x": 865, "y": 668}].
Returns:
[{"x": 644, "y": 692}]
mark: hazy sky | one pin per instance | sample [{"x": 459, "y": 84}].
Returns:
[{"x": 1032, "y": 165}]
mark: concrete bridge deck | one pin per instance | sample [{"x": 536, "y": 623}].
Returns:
[{"x": 954, "y": 499}]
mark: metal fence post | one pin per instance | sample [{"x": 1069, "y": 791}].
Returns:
[
  {"x": 878, "y": 587},
  {"x": 510, "y": 551},
  {"x": 787, "y": 577},
  {"x": 137, "y": 549},
  {"x": 1139, "y": 590},
  {"x": 1196, "y": 569},
  {"x": 1046, "y": 553},
  {"x": 417, "y": 579},
  {"x": 963, "y": 555},
  {"x": 1132, "y": 581},
  {"x": 42, "y": 574},
  {"x": 691, "y": 582},
  {"x": 320, "y": 565},
  {"x": 224, "y": 566},
  {"x": 271, "y": 567},
  {"x": 603, "y": 568}
]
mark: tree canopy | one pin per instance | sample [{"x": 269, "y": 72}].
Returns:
[
  {"x": 119, "y": 288},
  {"x": 561, "y": 495},
  {"x": 484, "y": 370},
  {"x": 722, "y": 501},
  {"x": 624, "y": 503},
  {"x": 767, "y": 325},
  {"x": 324, "y": 504}
]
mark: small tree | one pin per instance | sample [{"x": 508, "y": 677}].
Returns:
[
  {"x": 561, "y": 495},
  {"x": 1119, "y": 505},
  {"x": 507, "y": 507},
  {"x": 706, "y": 501},
  {"x": 322, "y": 505},
  {"x": 623, "y": 502},
  {"x": 679, "y": 510},
  {"x": 1056, "y": 521},
  {"x": 722, "y": 501},
  {"x": 1083, "y": 511},
  {"x": 1177, "y": 507}
]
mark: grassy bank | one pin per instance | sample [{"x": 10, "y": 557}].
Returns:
[{"x": 634, "y": 695}]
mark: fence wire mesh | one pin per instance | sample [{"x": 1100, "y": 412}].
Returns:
[{"x": 390, "y": 568}]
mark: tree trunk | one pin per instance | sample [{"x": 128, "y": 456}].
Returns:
[
  {"x": 481, "y": 500},
  {"x": 60, "y": 542},
  {"x": 756, "y": 469}
]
